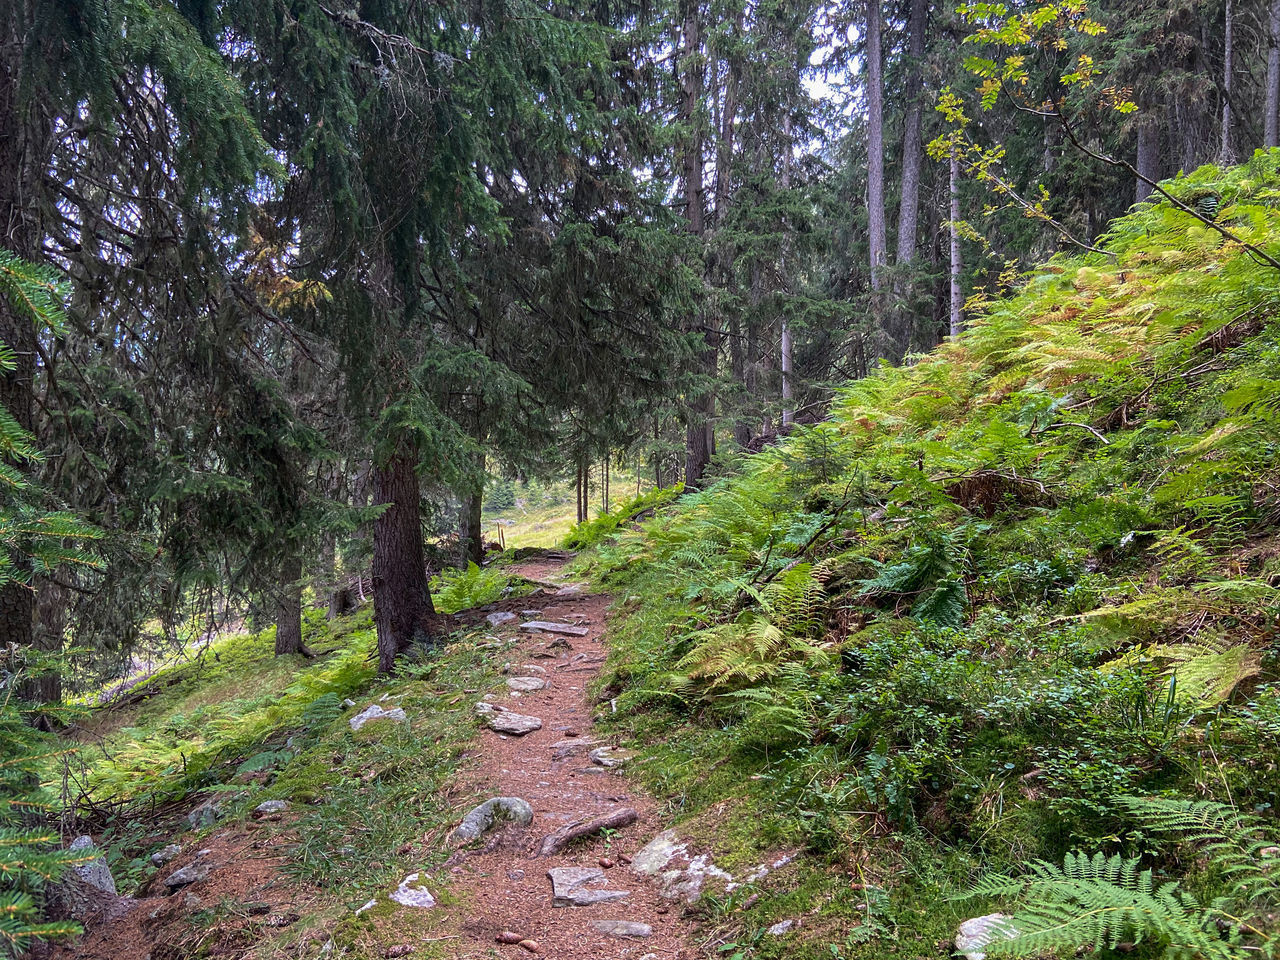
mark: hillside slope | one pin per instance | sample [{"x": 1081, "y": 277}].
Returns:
[{"x": 948, "y": 631}]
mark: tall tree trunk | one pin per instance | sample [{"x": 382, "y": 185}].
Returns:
[
  {"x": 1226, "y": 151},
  {"x": 785, "y": 357},
  {"x": 912, "y": 146},
  {"x": 875, "y": 146},
  {"x": 1148, "y": 161},
  {"x": 1271, "y": 125},
  {"x": 956, "y": 317},
  {"x": 701, "y": 406},
  {"x": 289, "y": 608},
  {"x": 473, "y": 528},
  {"x": 401, "y": 602},
  {"x": 19, "y": 233}
]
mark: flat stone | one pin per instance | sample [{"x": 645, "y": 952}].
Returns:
[
  {"x": 526, "y": 684},
  {"x": 572, "y": 590},
  {"x": 576, "y": 887},
  {"x": 679, "y": 876},
  {"x": 610, "y": 756},
  {"x": 375, "y": 712},
  {"x": 974, "y": 935},
  {"x": 485, "y": 816},
  {"x": 621, "y": 928},
  {"x": 271, "y": 806},
  {"x": 546, "y": 626},
  {"x": 563, "y": 749},
  {"x": 507, "y": 721},
  {"x": 499, "y": 618},
  {"x": 530, "y": 613},
  {"x": 782, "y": 927},
  {"x": 192, "y": 873},
  {"x": 412, "y": 894},
  {"x": 165, "y": 854},
  {"x": 205, "y": 815}
]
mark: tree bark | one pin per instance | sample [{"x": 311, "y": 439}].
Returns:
[
  {"x": 473, "y": 528},
  {"x": 20, "y": 234},
  {"x": 289, "y": 608},
  {"x": 956, "y": 313},
  {"x": 912, "y": 146},
  {"x": 1148, "y": 160},
  {"x": 401, "y": 602},
  {"x": 1226, "y": 151},
  {"x": 1271, "y": 125},
  {"x": 875, "y": 146},
  {"x": 786, "y": 374}
]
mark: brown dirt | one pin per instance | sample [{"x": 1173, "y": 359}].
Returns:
[{"x": 499, "y": 885}]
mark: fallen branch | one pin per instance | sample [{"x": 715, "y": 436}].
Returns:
[{"x": 555, "y": 842}]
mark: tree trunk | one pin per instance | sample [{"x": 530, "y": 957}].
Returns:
[
  {"x": 289, "y": 608},
  {"x": 875, "y": 146},
  {"x": 957, "y": 296},
  {"x": 1226, "y": 151},
  {"x": 19, "y": 233},
  {"x": 701, "y": 405},
  {"x": 401, "y": 601},
  {"x": 1271, "y": 125},
  {"x": 912, "y": 147},
  {"x": 785, "y": 358},
  {"x": 1148, "y": 161},
  {"x": 472, "y": 528}
]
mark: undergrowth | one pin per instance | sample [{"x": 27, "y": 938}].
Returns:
[{"x": 943, "y": 633}]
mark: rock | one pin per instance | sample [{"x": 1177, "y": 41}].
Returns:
[
  {"x": 679, "y": 876},
  {"x": 506, "y": 721},
  {"x": 87, "y": 889},
  {"x": 782, "y": 927},
  {"x": 205, "y": 815},
  {"x": 545, "y": 626},
  {"x": 571, "y": 590},
  {"x": 191, "y": 901},
  {"x": 621, "y": 928},
  {"x": 562, "y": 749},
  {"x": 271, "y": 806},
  {"x": 348, "y": 703},
  {"x": 532, "y": 668},
  {"x": 375, "y": 712},
  {"x": 411, "y": 894},
  {"x": 165, "y": 854},
  {"x": 975, "y": 934},
  {"x": 610, "y": 756},
  {"x": 487, "y": 814},
  {"x": 530, "y": 613},
  {"x": 525, "y": 684},
  {"x": 368, "y": 906},
  {"x": 499, "y": 618},
  {"x": 192, "y": 873},
  {"x": 575, "y": 887}
]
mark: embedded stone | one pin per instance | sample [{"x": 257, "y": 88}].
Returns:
[
  {"x": 410, "y": 893},
  {"x": 506, "y": 721},
  {"x": 546, "y": 626},
  {"x": 525, "y": 684},
  {"x": 610, "y": 756},
  {"x": 271, "y": 806},
  {"x": 499, "y": 618},
  {"x": 577, "y": 887},
  {"x": 375, "y": 712},
  {"x": 976, "y": 934},
  {"x": 621, "y": 928},
  {"x": 165, "y": 854},
  {"x": 192, "y": 873},
  {"x": 485, "y": 816}
]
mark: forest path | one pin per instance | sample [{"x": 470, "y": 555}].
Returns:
[{"x": 503, "y": 881}]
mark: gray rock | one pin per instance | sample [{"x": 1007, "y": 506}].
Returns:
[
  {"x": 783, "y": 927},
  {"x": 95, "y": 873},
  {"x": 679, "y": 876},
  {"x": 525, "y": 684},
  {"x": 191, "y": 873},
  {"x": 412, "y": 894},
  {"x": 547, "y": 626},
  {"x": 375, "y": 712},
  {"x": 348, "y": 703},
  {"x": 530, "y": 613},
  {"x": 621, "y": 928},
  {"x": 563, "y": 749},
  {"x": 165, "y": 854},
  {"x": 610, "y": 756},
  {"x": 572, "y": 590},
  {"x": 499, "y": 618},
  {"x": 487, "y": 814},
  {"x": 205, "y": 815},
  {"x": 577, "y": 887},
  {"x": 507, "y": 721},
  {"x": 271, "y": 806},
  {"x": 974, "y": 935}
]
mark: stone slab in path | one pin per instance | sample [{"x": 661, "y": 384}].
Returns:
[
  {"x": 577, "y": 887},
  {"x": 546, "y": 626}
]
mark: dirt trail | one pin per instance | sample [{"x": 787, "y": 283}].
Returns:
[{"x": 504, "y": 884}]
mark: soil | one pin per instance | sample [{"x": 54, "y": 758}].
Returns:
[{"x": 499, "y": 884}]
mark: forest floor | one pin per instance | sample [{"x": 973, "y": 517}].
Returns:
[{"x": 495, "y": 886}]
